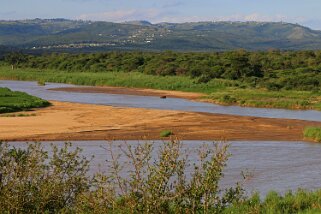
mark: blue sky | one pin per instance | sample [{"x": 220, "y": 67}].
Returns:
[{"x": 304, "y": 12}]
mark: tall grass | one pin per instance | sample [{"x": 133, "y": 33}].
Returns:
[
  {"x": 227, "y": 92},
  {"x": 125, "y": 79},
  {"x": 270, "y": 99}
]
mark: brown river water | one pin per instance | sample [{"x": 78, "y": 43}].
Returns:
[{"x": 279, "y": 166}]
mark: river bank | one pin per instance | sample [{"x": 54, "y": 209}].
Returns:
[
  {"x": 74, "y": 121},
  {"x": 219, "y": 91}
]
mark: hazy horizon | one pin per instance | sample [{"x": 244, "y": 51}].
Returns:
[
  {"x": 155, "y": 23},
  {"x": 174, "y": 11}
]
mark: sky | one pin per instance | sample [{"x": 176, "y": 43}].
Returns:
[{"x": 305, "y": 12}]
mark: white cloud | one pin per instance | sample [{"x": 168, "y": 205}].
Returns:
[
  {"x": 255, "y": 17},
  {"x": 155, "y": 15},
  {"x": 123, "y": 15}
]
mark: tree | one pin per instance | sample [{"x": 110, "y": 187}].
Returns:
[{"x": 15, "y": 58}]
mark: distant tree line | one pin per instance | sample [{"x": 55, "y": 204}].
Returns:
[{"x": 273, "y": 69}]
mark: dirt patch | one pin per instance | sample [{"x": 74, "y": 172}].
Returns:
[
  {"x": 133, "y": 91},
  {"x": 73, "y": 121}
]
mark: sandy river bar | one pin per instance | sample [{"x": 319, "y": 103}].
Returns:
[{"x": 74, "y": 121}]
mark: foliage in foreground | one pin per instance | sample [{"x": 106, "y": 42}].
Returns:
[
  {"x": 35, "y": 181},
  {"x": 313, "y": 133},
  {"x": 12, "y": 101}
]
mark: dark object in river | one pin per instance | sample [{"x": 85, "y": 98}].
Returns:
[{"x": 163, "y": 97}]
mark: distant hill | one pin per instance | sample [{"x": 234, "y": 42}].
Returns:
[
  {"x": 63, "y": 34},
  {"x": 143, "y": 23}
]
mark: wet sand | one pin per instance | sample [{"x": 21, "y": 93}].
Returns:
[{"x": 72, "y": 121}]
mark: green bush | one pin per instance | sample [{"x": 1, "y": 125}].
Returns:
[
  {"x": 41, "y": 83},
  {"x": 166, "y": 133},
  {"x": 227, "y": 99},
  {"x": 32, "y": 181},
  {"x": 313, "y": 133}
]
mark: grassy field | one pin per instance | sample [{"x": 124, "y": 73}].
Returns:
[
  {"x": 13, "y": 101},
  {"x": 226, "y": 92}
]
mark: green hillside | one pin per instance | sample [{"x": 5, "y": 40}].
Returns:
[{"x": 62, "y": 34}]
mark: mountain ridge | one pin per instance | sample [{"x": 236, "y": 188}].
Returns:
[{"x": 78, "y": 35}]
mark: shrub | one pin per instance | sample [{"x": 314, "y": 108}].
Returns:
[
  {"x": 41, "y": 83},
  {"x": 160, "y": 185},
  {"x": 32, "y": 181},
  {"x": 166, "y": 133},
  {"x": 228, "y": 99},
  {"x": 313, "y": 133}
]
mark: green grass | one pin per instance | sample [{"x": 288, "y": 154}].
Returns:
[
  {"x": 125, "y": 79},
  {"x": 13, "y": 101},
  {"x": 166, "y": 133},
  {"x": 271, "y": 99},
  {"x": 313, "y": 133},
  {"x": 226, "y": 92},
  {"x": 298, "y": 202}
]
